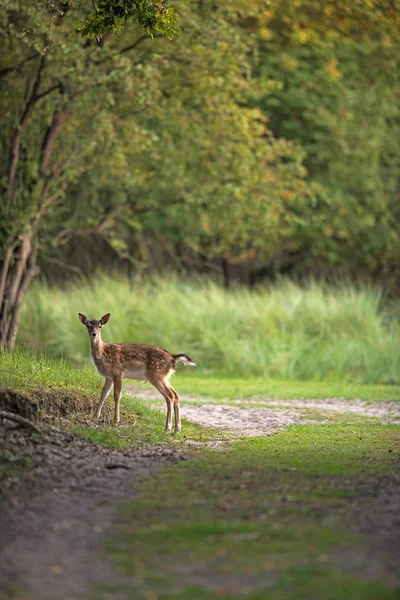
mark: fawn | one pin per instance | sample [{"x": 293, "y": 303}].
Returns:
[{"x": 134, "y": 361}]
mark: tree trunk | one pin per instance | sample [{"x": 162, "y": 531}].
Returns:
[{"x": 17, "y": 271}]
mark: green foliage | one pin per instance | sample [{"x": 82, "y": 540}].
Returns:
[
  {"x": 284, "y": 332},
  {"x": 152, "y": 16},
  {"x": 332, "y": 74}
]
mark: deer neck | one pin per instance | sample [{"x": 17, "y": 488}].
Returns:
[{"x": 97, "y": 346}]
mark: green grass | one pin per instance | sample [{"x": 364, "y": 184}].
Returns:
[
  {"x": 23, "y": 369},
  {"x": 233, "y": 388},
  {"x": 45, "y": 386},
  {"x": 59, "y": 387},
  {"x": 143, "y": 422},
  {"x": 283, "y": 332},
  {"x": 262, "y": 520}
]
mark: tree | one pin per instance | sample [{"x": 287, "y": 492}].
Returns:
[{"x": 57, "y": 106}]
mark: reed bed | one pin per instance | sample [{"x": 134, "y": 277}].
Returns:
[{"x": 285, "y": 331}]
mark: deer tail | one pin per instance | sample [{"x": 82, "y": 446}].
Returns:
[{"x": 185, "y": 359}]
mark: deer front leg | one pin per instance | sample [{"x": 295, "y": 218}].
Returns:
[
  {"x": 104, "y": 393},
  {"x": 117, "y": 396}
]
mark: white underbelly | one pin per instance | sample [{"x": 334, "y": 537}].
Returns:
[{"x": 138, "y": 374}]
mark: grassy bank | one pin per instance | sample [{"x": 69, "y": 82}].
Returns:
[
  {"x": 282, "y": 332},
  {"x": 37, "y": 386}
]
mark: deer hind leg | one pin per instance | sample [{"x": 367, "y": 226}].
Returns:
[
  {"x": 169, "y": 399},
  {"x": 117, "y": 397},
  {"x": 104, "y": 393},
  {"x": 177, "y": 413},
  {"x": 175, "y": 401}
]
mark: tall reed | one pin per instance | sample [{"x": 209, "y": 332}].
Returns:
[{"x": 284, "y": 331}]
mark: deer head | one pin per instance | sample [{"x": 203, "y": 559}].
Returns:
[{"x": 93, "y": 326}]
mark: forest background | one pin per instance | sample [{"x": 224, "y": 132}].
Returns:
[{"x": 240, "y": 140}]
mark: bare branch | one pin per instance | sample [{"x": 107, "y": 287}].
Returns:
[
  {"x": 56, "y": 261},
  {"x": 101, "y": 229},
  {"x": 50, "y": 137},
  {"x": 50, "y": 202},
  {"x": 139, "y": 41},
  {"x": 67, "y": 234},
  {"x": 4, "y": 72},
  {"x": 56, "y": 86}
]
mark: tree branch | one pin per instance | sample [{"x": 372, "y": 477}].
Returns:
[
  {"x": 56, "y": 86},
  {"x": 17, "y": 134},
  {"x": 30, "y": 272},
  {"x": 4, "y": 72},
  {"x": 60, "y": 168},
  {"x": 49, "y": 202},
  {"x": 56, "y": 261},
  {"x": 4, "y": 270},
  {"x": 100, "y": 229},
  {"x": 49, "y": 139},
  {"x": 139, "y": 41}
]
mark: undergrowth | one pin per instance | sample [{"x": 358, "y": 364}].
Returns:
[{"x": 285, "y": 332}]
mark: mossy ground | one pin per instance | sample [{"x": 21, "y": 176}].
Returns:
[{"x": 269, "y": 518}]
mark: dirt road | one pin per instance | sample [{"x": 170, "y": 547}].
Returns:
[{"x": 51, "y": 524}]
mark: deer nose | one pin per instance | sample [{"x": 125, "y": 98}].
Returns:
[{"x": 93, "y": 334}]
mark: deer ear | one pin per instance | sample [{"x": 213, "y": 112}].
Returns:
[
  {"x": 105, "y": 318},
  {"x": 82, "y": 318}
]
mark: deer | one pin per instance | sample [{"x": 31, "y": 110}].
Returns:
[{"x": 134, "y": 361}]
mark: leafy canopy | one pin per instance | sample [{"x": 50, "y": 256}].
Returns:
[{"x": 111, "y": 15}]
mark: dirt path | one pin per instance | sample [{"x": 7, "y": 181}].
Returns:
[
  {"x": 257, "y": 416},
  {"x": 51, "y": 524},
  {"x": 268, "y": 419}
]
